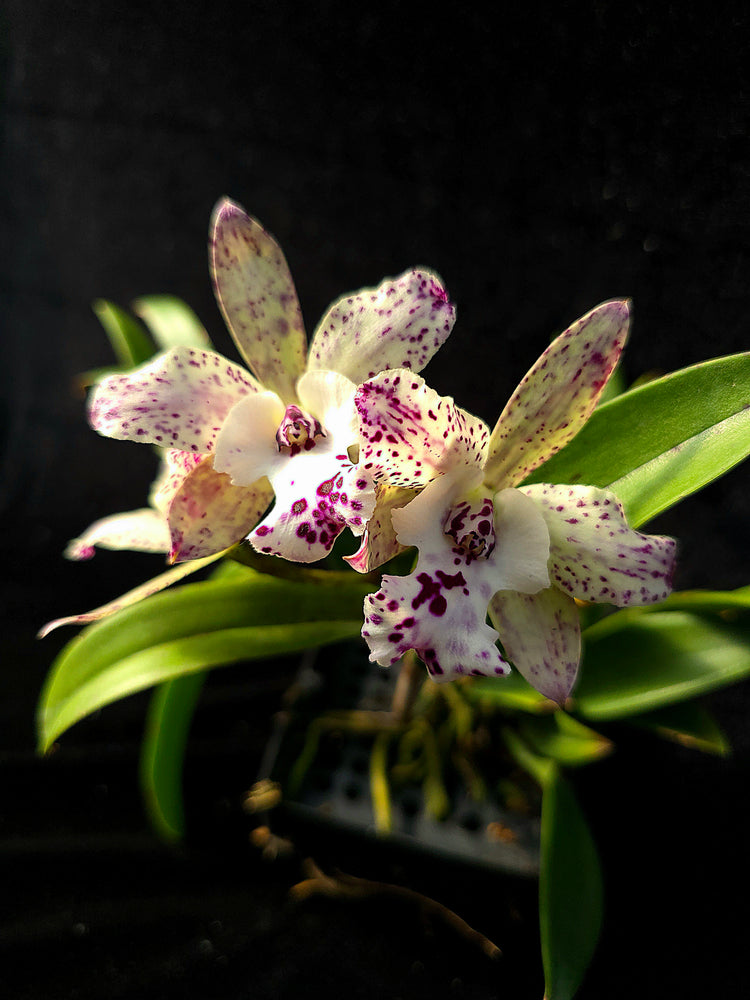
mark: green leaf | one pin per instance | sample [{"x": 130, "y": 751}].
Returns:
[
  {"x": 689, "y": 724},
  {"x": 657, "y": 659},
  {"x": 727, "y": 603},
  {"x": 191, "y": 628},
  {"x": 541, "y": 768},
  {"x": 168, "y": 721},
  {"x": 171, "y": 321},
  {"x": 656, "y": 443},
  {"x": 564, "y": 739},
  {"x": 512, "y": 692},
  {"x": 130, "y": 342},
  {"x": 570, "y": 890}
]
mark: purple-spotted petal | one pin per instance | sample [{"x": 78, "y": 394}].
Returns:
[
  {"x": 558, "y": 395},
  {"x": 439, "y": 614},
  {"x": 207, "y": 514},
  {"x": 409, "y": 434},
  {"x": 541, "y": 637},
  {"x": 178, "y": 400},
  {"x": 246, "y": 448},
  {"x": 175, "y": 467},
  {"x": 379, "y": 542},
  {"x": 258, "y": 299},
  {"x": 399, "y": 324},
  {"x": 142, "y": 530},
  {"x": 441, "y": 608},
  {"x": 594, "y": 555},
  {"x": 318, "y": 493}
]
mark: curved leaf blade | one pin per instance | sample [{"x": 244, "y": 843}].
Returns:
[
  {"x": 672, "y": 435},
  {"x": 194, "y": 611},
  {"x": 130, "y": 342},
  {"x": 689, "y": 724},
  {"x": 171, "y": 321},
  {"x": 180, "y": 657},
  {"x": 571, "y": 894},
  {"x": 564, "y": 739},
  {"x": 670, "y": 477},
  {"x": 170, "y": 713},
  {"x": 658, "y": 659}
]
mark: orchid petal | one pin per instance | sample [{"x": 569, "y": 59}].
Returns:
[
  {"x": 399, "y": 324},
  {"x": 441, "y": 608},
  {"x": 558, "y": 395},
  {"x": 594, "y": 555},
  {"x": 379, "y": 542},
  {"x": 178, "y": 400},
  {"x": 439, "y": 614},
  {"x": 318, "y": 493},
  {"x": 143, "y": 530},
  {"x": 522, "y": 543},
  {"x": 257, "y": 298},
  {"x": 330, "y": 398},
  {"x": 246, "y": 448},
  {"x": 207, "y": 514},
  {"x": 175, "y": 467},
  {"x": 541, "y": 637},
  {"x": 409, "y": 434}
]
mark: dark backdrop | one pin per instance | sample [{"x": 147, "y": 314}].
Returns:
[{"x": 541, "y": 160}]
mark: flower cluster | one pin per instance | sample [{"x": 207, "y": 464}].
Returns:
[{"x": 306, "y": 442}]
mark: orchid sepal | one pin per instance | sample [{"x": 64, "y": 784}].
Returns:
[
  {"x": 179, "y": 400},
  {"x": 399, "y": 324},
  {"x": 257, "y": 298},
  {"x": 558, "y": 394}
]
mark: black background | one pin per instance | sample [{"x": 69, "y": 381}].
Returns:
[{"x": 541, "y": 160}]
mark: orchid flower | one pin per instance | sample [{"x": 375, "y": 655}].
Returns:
[
  {"x": 287, "y": 427},
  {"x": 523, "y": 554}
]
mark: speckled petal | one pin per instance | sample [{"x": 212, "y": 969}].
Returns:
[
  {"x": 399, "y": 324},
  {"x": 257, "y": 297},
  {"x": 440, "y": 609},
  {"x": 594, "y": 555},
  {"x": 207, "y": 514},
  {"x": 541, "y": 637},
  {"x": 379, "y": 542},
  {"x": 441, "y": 616},
  {"x": 409, "y": 434},
  {"x": 318, "y": 494},
  {"x": 329, "y": 397},
  {"x": 143, "y": 530},
  {"x": 558, "y": 395},
  {"x": 175, "y": 467},
  {"x": 178, "y": 400},
  {"x": 246, "y": 448}
]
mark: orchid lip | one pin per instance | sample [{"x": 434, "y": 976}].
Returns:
[{"x": 298, "y": 430}]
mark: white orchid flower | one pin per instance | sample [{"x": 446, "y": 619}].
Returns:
[
  {"x": 287, "y": 427},
  {"x": 523, "y": 555}
]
